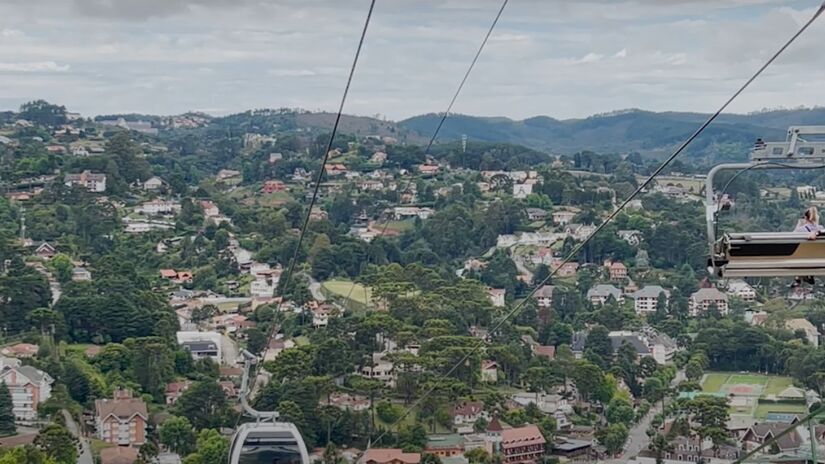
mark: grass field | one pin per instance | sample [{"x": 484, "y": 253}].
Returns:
[
  {"x": 401, "y": 226},
  {"x": 763, "y": 409},
  {"x": 360, "y": 297},
  {"x": 764, "y": 385}
]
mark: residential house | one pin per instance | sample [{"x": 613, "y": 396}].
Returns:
[
  {"x": 276, "y": 347},
  {"x": 178, "y": 277},
  {"x": 380, "y": 369},
  {"x": 497, "y": 296},
  {"x": 121, "y": 420},
  {"x": 632, "y": 237},
  {"x": 226, "y": 174},
  {"x": 544, "y": 296},
  {"x": 45, "y": 250},
  {"x": 209, "y": 208},
  {"x": 153, "y": 183},
  {"x": 405, "y": 212},
  {"x": 80, "y": 151},
  {"x": 804, "y": 325},
  {"x": 81, "y": 274},
  {"x": 547, "y": 351},
  {"x": 704, "y": 298},
  {"x": 758, "y": 434},
  {"x": 618, "y": 271},
  {"x": 521, "y": 191},
  {"x": 262, "y": 287},
  {"x": 467, "y": 413},
  {"x": 378, "y": 157},
  {"x": 568, "y": 269},
  {"x": 579, "y": 232},
  {"x": 536, "y": 214},
  {"x": 348, "y": 402},
  {"x": 272, "y": 186},
  {"x": 201, "y": 344},
  {"x": 647, "y": 298},
  {"x": 335, "y": 169},
  {"x": 571, "y": 449},
  {"x": 28, "y": 386},
  {"x": 547, "y": 403},
  {"x": 158, "y": 207},
  {"x": 601, "y": 293},
  {"x": 447, "y": 447},
  {"x": 174, "y": 390},
  {"x": 93, "y": 182},
  {"x": 741, "y": 289},
  {"x": 20, "y": 350},
  {"x": 562, "y": 218},
  {"x": 389, "y": 456},
  {"x": 522, "y": 444},
  {"x": 647, "y": 343},
  {"x": 428, "y": 169},
  {"x": 489, "y": 371}
]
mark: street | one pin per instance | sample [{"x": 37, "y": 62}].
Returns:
[
  {"x": 637, "y": 438},
  {"x": 85, "y": 453}
]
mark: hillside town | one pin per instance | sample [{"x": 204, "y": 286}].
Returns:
[{"x": 140, "y": 257}]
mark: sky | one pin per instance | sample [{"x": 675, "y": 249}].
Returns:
[{"x": 561, "y": 58}]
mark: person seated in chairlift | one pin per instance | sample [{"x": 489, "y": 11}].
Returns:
[{"x": 809, "y": 222}]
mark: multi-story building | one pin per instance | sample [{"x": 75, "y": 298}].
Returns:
[
  {"x": 544, "y": 296},
  {"x": 522, "y": 444},
  {"x": 122, "y": 420},
  {"x": 93, "y": 182},
  {"x": 28, "y": 386},
  {"x": 704, "y": 298},
  {"x": 601, "y": 293},
  {"x": 742, "y": 290},
  {"x": 647, "y": 298}
]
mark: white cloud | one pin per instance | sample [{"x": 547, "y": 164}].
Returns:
[
  {"x": 621, "y": 53},
  {"x": 590, "y": 58},
  {"x": 34, "y": 66},
  {"x": 291, "y": 72}
]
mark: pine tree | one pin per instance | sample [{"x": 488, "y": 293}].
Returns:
[{"x": 6, "y": 411}]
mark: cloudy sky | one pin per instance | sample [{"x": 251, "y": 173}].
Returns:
[{"x": 563, "y": 58}]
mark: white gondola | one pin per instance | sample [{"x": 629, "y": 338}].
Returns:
[
  {"x": 265, "y": 441},
  {"x": 768, "y": 254}
]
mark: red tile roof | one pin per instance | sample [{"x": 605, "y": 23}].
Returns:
[
  {"x": 385, "y": 455},
  {"x": 521, "y": 436}
]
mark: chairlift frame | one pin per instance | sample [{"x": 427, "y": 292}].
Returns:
[{"x": 767, "y": 254}]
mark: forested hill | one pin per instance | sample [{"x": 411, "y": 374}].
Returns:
[{"x": 624, "y": 131}]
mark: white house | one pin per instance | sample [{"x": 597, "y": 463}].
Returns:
[
  {"x": 28, "y": 386},
  {"x": 562, "y": 218},
  {"x": 703, "y": 298},
  {"x": 380, "y": 369},
  {"x": 497, "y": 296},
  {"x": 153, "y": 183},
  {"x": 647, "y": 298},
  {"x": 201, "y": 344},
  {"x": 262, "y": 288},
  {"x": 741, "y": 289},
  {"x": 599, "y": 294},
  {"x": 521, "y": 191},
  {"x": 544, "y": 296},
  {"x": 93, "y": 182},
  {"x": 158, "y": 206}
]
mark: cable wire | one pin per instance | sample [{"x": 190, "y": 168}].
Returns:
[
  {"x": 444, "y": 117},
  {"x": 610, "y": 217},
  {"x": 291, "y": 267}
]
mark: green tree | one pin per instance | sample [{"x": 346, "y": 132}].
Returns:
[
  {"x": 429, "y": 458},
  {"x": 62, "y": 266},
  {"x": 660, "y": 445},
  {"x": 27, "y": 454},
  {"x": 613, "y": 437},
  {"x": 478, "y": 456},
  {"x": 177, "y": 435},
  {"x": 7, "y": 426},
  {"x": 204, "y": 404},
  {"x": 57, "y": 442}
]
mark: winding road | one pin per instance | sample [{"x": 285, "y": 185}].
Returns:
[{"x": 85, "y": 452}]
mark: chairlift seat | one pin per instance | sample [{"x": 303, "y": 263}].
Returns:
[{"x": 771, "y": 254}]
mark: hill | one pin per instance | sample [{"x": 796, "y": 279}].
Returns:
[{"x": 621, "y": 131}]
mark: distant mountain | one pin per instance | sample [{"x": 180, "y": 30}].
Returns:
[{"x": 621, "y": 131}]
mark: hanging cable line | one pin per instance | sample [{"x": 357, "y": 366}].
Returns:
[
  {"x": 443, "y": 118},
  {"x": 291, "y": 266},
  {"x": 575, "y": 252}
]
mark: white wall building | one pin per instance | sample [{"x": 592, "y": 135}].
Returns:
[{"x": 28, "y": 386}]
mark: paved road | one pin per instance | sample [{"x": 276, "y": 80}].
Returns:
[
  {"x": 229, "y": 350},
  {"x": 85, "y": 453},
  {"x": 638, "y": 439}
]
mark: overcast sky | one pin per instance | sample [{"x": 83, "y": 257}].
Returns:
[{"x": 562, "y": 58}]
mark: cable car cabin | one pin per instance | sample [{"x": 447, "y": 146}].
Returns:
[
  {"x": 767, "y": 254},
  {"x": 268, "y": 443}
]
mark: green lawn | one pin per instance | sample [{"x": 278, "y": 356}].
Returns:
[
  {"x": 344, "y": 288},
  {"x": 97, "y": 445},
  {"x": 713, "y": 382},
  {"x": 777, "y": 384},
  {"x": 401, "y": 226},
  {"x": 763, "y": 409},
  {"x": 747, "y": 379}
]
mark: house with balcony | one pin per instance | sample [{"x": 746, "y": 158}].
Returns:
[
  {"x": 29, "y": 387},
  {"x": 122, "y": 420},
  {"x": 646, "y": 299}
]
